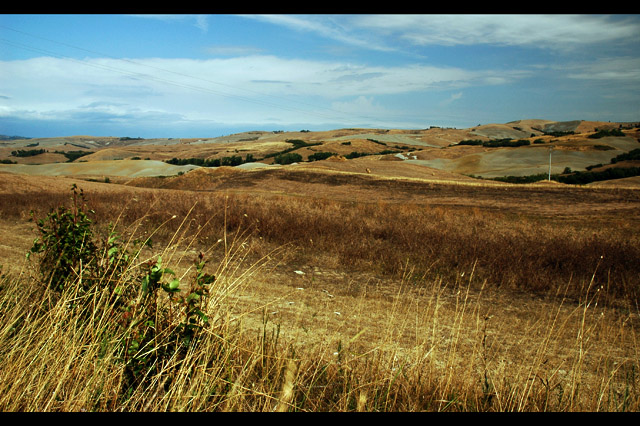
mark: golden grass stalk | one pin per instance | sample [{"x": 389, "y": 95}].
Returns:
[{"x": 418, "y": 344}]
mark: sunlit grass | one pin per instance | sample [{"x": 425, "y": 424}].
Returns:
[{"x": 426, "y": 309}]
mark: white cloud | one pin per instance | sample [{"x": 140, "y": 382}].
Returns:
[
  {"x": 539, "y": 31},
  {"x": 550, "y": 31},
  {"x": 232, "y": 50},
  {"x": 199, "y": 21},
  {"x": 454, "y": 97},
  {"x": 362, "y": 105},
  {"x": 613, "y": 69},
  {"x": 333, "y": 27},
  {"x": 227, "y": 90},
  {"x": 202, "y": 22},
  {"x": 51, "y": 78}
]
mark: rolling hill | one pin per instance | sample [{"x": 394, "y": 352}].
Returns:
[{"x": 433, "y": 154}]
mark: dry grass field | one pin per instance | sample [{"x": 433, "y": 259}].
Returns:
[{"x": 369, "y": 284}]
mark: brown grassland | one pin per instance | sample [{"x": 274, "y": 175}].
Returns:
[{"x": 336, "y": 289}]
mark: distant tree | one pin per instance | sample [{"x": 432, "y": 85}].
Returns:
[
  {"x": 605, "y": 133},
  {"x": 288, "y": 158},
  {"x": 320, "y": 156},
  {"x": 28, "y": 152}
]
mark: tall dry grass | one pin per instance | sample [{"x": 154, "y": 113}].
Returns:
[
  {"x": 508, "y": 249},
  {"x": 437, "y": 342},
  {"x": 427, "y": 349}
]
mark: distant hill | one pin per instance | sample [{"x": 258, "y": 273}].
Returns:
[
  {"x": 517, "y": 148},
  {"x": 12, "y": 138}
]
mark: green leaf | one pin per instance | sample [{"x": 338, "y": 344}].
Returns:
[{"x": 174, "y": 284}]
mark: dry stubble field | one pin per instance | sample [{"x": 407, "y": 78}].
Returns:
[{"x": 352, "y": 292}]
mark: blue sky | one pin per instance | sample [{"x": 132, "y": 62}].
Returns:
[{"x": 209, "y": 75}]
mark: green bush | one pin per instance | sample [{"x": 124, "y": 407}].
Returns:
[
  {"x": 65, "y": 242},
  {"x": 106, "y": 280}
]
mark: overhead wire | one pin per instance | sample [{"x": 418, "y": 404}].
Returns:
[
  {"x": 150, "y": 77},
  {"x": 342, "y": 115}
]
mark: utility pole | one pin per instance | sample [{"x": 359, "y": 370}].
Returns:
[{"x": 550, "y": 149}]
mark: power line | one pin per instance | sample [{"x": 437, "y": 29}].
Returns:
[
  {"x": 155, "y": 78},
  {"x": 341, "y": 114}
]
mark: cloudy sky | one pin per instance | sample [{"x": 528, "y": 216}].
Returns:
[{"x": 209, "y": 75}]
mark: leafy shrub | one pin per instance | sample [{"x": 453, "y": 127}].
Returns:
[
  {"x": 65, "y": 242},
  {"x": 146, "y": 331}
]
